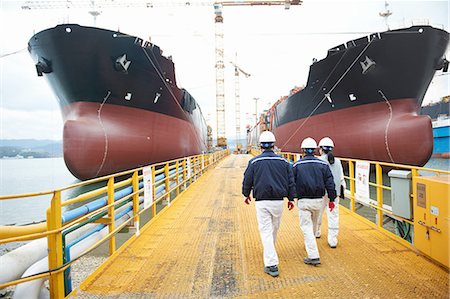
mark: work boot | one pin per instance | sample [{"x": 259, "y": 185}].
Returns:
[
  {"x": 313, "y": 262},
  {"x": 332, "y": 241},
  {"x": 271, "y": 270}
]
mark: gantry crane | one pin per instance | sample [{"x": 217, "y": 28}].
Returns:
[
  {"x": 96, "y": 5},
  {"x": 237, "y": 99}
]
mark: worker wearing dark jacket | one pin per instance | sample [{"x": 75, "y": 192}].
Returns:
[
  {"x": 271, "y": 178},
  {"x": 312, "y": 178}
]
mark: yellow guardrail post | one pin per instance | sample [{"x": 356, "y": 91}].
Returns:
[
  {"x": 192, "y": 170},
  {"x": 167, "y": 183},
  {"x": 178, "y": 177},
  {"x": 191, "y": 176},
  {"x": 54, "y": 240},
  {"x": 351, "y": 169},
  {"x": 203, "y": 164},
  {"x": 414, "y": 174},
  {"x": 184, "y": 164},
  {"x": 153, "y": 191},
  {"x": 111, "y": 215},
  {"x": 195, "y": 170},
  {"x": 135, "y": 183},
  {"x": 379, "y": 180}
]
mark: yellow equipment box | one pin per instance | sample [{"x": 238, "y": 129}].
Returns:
[{"x": 432, "y": 217}]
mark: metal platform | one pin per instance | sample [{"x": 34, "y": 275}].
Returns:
[{"x": 207, "y": 245}]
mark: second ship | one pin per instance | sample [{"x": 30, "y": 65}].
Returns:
[
  {"x": 119, "y": 99},
  {"x": 366, "y": 95}
]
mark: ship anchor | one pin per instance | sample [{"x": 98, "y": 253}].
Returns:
[
  {"x": 122, "y": 63},
  {"x": 367, "y": 65}
]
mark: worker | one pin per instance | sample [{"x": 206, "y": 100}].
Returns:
[
  {"x": 271, "y": 178},
  {"x": 312, "y": 178},
  {"x": 326, "y": 146}
]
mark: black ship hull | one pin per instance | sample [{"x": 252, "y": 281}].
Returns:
[
  {"x": 119, "y": 100},
  {"x": 366, "y": 95}
]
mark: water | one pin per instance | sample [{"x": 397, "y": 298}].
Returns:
[{"x": 18, "y": 176}]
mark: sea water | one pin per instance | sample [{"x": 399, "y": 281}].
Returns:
[{"x": 19, "y": 176}]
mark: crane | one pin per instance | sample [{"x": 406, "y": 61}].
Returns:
[
  {"x": 220, "y": 73},
  {"x": 238, "y": 70},
  {"x": 386, "y": 13},
  {"x": 96, "y": 5}
]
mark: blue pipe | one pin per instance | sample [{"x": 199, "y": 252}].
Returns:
[
  {"x": 162, "y": 175},
  {"x": 96, "y": 204}
]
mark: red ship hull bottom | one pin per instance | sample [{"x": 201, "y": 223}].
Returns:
[
  {"x": 100, "y": 140},
  {"x": 388, "y": 132}
]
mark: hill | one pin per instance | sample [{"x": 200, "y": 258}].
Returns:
[{"x": 26, "y": 148}]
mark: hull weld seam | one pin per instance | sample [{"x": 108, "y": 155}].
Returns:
[
  {"x": 105, "y": 153},
  {"x": 387, "y": 126}
]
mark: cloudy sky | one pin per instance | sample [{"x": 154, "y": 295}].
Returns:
[{"x": 276, "y": 46}]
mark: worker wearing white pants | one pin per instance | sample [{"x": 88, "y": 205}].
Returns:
[
  {"x": 312, "y": 179},
  {"x": 309, "y": 212},
  {"x": 326, "y": 146},
  {"x": 270, "y": 178},
  {"x": 268, "y": 213},
  {"x": 333, "y": 222}
]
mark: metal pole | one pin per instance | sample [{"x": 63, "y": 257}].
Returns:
[
  {"x": 237, "y": 104},
  {"x": 220, "y": 75},
  {"x": 256, "y": 109}
]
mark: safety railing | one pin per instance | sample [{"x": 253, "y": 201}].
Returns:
[
  {"x": 379, "y": 184},
  {"x": 379, "y": 188},
  {"x": 104, "y": 212}
]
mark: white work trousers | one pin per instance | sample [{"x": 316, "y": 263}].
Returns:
[
  {"x": 333, "y": 221},
  {"x": 309, "y": 210},
  {"x": 268, "y": 213}
]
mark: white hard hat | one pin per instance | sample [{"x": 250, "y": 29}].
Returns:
[
  {"x": 309, "y": 143},
  {"x": 266, "y": 137},
  {"x": 326, "y": 141}
]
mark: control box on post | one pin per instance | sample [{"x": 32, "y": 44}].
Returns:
[{"x": 401, "y": 193}]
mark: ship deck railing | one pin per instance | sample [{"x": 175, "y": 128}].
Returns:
[{"x": 207, "y": 244}]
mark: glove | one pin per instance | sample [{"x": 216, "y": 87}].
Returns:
[
  {"x": 248, "y": 199},
  {"x": 342, "y": 192},
  {"x": 290, "y": 205},
  {"x": 331, "y": 206}
]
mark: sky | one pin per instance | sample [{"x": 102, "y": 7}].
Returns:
[{"x": 274, "y": 45}]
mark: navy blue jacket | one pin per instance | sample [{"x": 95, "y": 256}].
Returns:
[
  {"x": 270, "y": 176},
  {"x": 312, "y": 177}
]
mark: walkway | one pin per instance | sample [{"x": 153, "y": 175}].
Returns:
[{"x": 207, "y": 245}]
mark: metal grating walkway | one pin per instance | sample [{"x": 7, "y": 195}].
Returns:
[{"x": 207, "y": 245}]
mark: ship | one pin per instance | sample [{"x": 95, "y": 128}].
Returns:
[
  {"x": 366, "y": 95},
  {"x": 439, "y": 114},
  {"x": 119, "y": 100}
]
